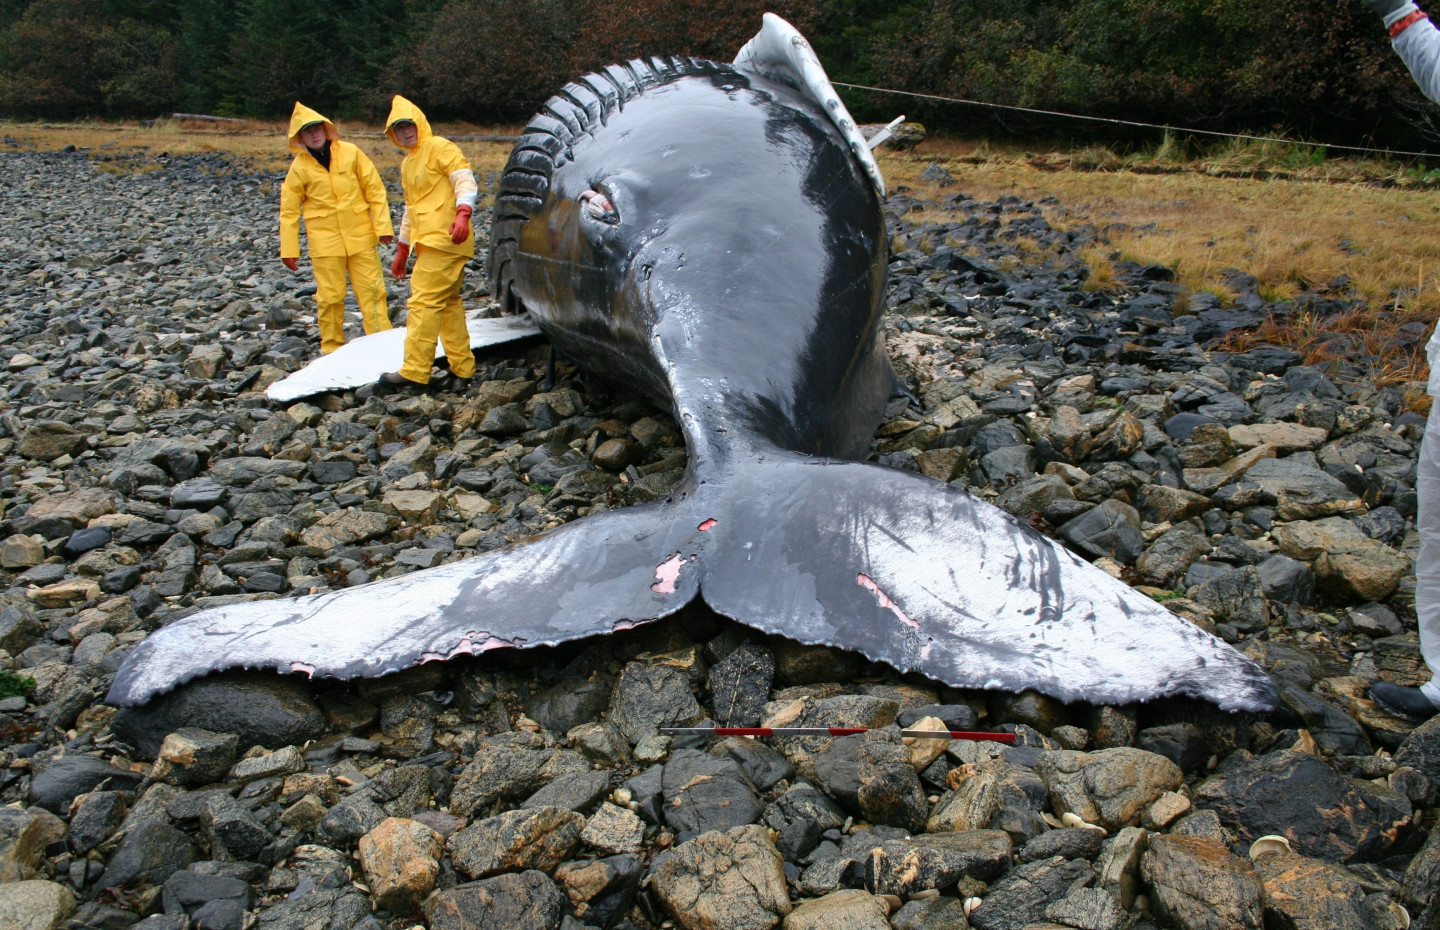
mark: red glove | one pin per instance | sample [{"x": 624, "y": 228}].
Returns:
[
  {"x": 402, "y": 255},
  {"x": 290, "y": 263},
  {"x": 460, "y": 229},
  {"x": 387, "y": 239}
]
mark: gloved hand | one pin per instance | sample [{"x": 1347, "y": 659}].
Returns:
[
  {"x": 1391, "y": 10},
  {"x": 461, "y": 227},
  {"x": 292, "y": 264},
  {"x": 387, "y": 239},
  {"x": 402, "y": 255}
]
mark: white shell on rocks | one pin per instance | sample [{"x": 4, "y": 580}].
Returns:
[
  {"x": 1072, "y": 819},
  {"x": 1268, "y": 844},
  {"x": 970, "y": 905}
]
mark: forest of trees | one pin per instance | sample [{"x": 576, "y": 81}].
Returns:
[{"x": 1316, "y": 69}]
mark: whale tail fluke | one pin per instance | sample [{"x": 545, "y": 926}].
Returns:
[
  {"x": 924, "y": 577},
  {"x": 906, "y": 570}
]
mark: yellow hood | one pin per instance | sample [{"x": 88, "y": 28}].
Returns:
[
  {"x": 402, "y": 109},
  {"x": 303, "y": 116}
]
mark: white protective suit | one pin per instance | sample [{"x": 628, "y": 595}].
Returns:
[{"x": 1419, "y": 47}]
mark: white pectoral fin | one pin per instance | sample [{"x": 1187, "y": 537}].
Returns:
[{"x": 360, "y": 361}]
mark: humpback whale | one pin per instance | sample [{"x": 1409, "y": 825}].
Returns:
[{"x": 711, "y": 234}]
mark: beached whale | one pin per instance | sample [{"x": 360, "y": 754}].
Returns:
[{"x": 712, "y": 235}]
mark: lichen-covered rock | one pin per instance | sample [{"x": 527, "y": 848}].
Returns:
[
  {"x": 538, "y": 838},
  {"x": 524, "y": 901},
  {"x": 1298, "y": 796},
  {"x": 731, "y": 880},
  {"x": 1110, "y": 788},
  {"x": 904, "y": 867},
  {"x": 401, "y": 860},
  {"x": 848, "y": 909},
  {"x": 1197, "y": 884},
  {"x": 1305, "y": 892}
]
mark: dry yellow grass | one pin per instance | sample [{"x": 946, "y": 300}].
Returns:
[
  {"x": 1296, "y": 223},
  {"x": 1285, "y": 214},
  {"x": 261, "y": 145}
]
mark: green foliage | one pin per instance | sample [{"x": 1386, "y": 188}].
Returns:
[
  {"x": 1306, "y": 68},
  {"x": 13, "y": 685}
]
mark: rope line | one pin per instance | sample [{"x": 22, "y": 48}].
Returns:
[{"x": 1127, "y": 122}]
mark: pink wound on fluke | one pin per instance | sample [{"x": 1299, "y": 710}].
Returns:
[
  {"x": 666, "y": 574},
  {"x": 863, "y": 580},
  {"x": 707, "y": 525}
]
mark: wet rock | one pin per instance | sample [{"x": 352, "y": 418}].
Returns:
[
  {"x": 212, "y": 902},
  {"x": 740, "y": 686},
  {"x": 1109, "y": 788},
  {"x": 1198, "y": 884},
  {"x": 94, "y": 818},
  {"x": 1020, "y": 897},
  {"x": 848, "y": 909},
  {"x": 1111, "y": 530},
  {"x": 191, "y": 756},
  {"x": 703, "y": 793},
  {"x": 527, "y": 901},
  {"x": 35, "y": 905},
  {"x": 570, "y": 703},
  {"x": 151, "y": 852},
  {"x": 904, "y": 867},
  {"x": 259, "y": 708},
  {"x": 540, "y": 838},
  {"x": 1303, "y": 892},
  {"x": 648, "y": 697},
  {"x": 731, "y": 880},
  {"x": 47, "y": 440},
  {"x": 24, "y": 834},
  {"x": 1068, "y": 843},
  {"x": 401, "y": 861},
  {"x": 871, "y": 774},
  {"x": 1295, "y": 795},
  {"x": 57, "y": 783},
  {"x": 1421, "y": 749},
  {"x": 762, "y": 766},
  {"x": 613, "y": 830},
  {"x": 600, "y": 890}
]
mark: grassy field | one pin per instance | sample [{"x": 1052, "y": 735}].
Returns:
[{"x": 1295, "y": 219}]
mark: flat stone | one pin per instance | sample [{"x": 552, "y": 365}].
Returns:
[
  {"x": 1285, "y": 437},
  {"x": 151, "y": 852},
  {"x": 648, "y": 697},
  {"x": 1304, "y": 892},
  {"x": 539, "y": 838},
  {"x": 731, "y": 880},
  {"x": 847, "y": 909},
  {"x": 401, "y": 861},
  {"x": 259, "y": 708},
  {"x": 526, "y": 901},
  {"x": 613, "y": 830},
  {"x": 35, "y": 905},
  {"x": 1295, "y": 795},
  {"x": 904, "y": 867},
  {"x": 601, "y": 891},
  {"x": 1197, "y": 884},
  {"x": 1019, "y": 898},
  {"x": 1110, "y": 788},
  {"x": 703, "y": 793}
]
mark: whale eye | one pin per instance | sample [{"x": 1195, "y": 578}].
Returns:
[{"x": 599, "y": 207}]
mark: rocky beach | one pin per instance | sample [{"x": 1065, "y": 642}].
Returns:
[{"x": 144, "y": 476}]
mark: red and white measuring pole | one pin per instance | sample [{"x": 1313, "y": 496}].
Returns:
[{"x": 837, "y": 731}]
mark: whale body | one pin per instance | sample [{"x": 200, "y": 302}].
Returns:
[{"x": 712, "y": 235}]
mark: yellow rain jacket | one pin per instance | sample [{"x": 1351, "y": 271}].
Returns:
[
  {"x": 436, "y": 178},
  {"x": 345, "y": 208}
]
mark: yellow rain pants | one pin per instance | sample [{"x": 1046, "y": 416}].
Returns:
[
  {"x": 363, "y": 268},
  {"x": 435, "y": 310}
]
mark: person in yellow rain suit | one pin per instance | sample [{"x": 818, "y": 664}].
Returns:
[
  {"x": 336, "y": 188},
  {"x": 440, "y": 193}
]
